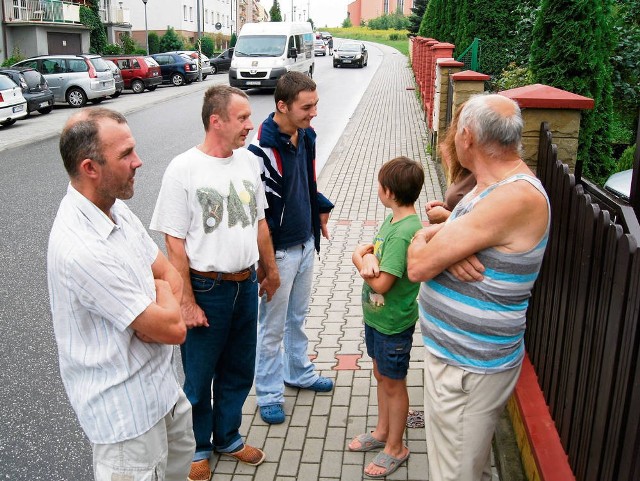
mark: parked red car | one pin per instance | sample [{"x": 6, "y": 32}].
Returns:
[{"x": 138, "y": 72}]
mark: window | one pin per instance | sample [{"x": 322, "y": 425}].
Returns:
[
  {"x": 77, "y": 65},
  {"x": 385, "y": 8},
  {"x": 136, "y": 64},
  {"x": 124, "y": 64},
  {"x": 191, "y": 14},
  {"x": 184, "y": 13},
  {"x": 206, "y": 16},
  {"x": 400, "y": 6}
]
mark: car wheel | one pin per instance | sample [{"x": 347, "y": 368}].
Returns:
[
  {"x": 152, "y": 88},
  {"x": 8, "y": 122},
  {"x": 214, "y": 69},
  {"x": 45, "y": 110},
  {"x": 177, "y": 79},
  {"x": 116, "y": 95},
  {"x": 76, "y": 97},
  {"x": 137, "y": 86},
  {"x": 204, "y": 76},
  {"x": 335, "y": 65}
]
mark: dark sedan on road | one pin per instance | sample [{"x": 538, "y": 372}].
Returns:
[
  {"x": 34, "y": 88},
  {"x": 351, "y": 53},
  {"x": 177, "y": 68},
  {"x": 222, "y": 62}
]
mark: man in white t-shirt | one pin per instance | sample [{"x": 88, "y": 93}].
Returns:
[
  {"x": 211, "y": 210},
  {"x": 115, "y": 308}
]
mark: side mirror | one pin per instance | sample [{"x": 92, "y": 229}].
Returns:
[{"x": 293, "y": 52}]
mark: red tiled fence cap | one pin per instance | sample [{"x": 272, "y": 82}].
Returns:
[
  {"x": 545, "y": 97},
  {"x": 469, "y": 75}
]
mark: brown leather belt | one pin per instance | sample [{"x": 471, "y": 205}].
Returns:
[{"x": 240, "y": 276}]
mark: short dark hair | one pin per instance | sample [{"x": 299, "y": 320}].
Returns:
[
  {"x": 290, "y": 85},
  {"x": 80, "y": 140},
  {"x": 216, "y": 101},
  {"x": 404, "y": 178}
]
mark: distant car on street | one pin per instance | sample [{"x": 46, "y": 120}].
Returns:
[
  {"x": 117, "y": 77},
  {"x": 177, "y": 68},
  {"x": 34, "y": 88},
  {"x": 319, "y": 47},
  {"x": 222, "y": 62},
  {"x": 13, "y": 106},
  {"x": 351, "y": 53},
  {"x": 325, "y": 35}
]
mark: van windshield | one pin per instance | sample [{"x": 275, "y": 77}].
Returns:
[{"x": 260, "y": 46}]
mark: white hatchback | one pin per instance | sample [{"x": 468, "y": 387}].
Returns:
[{"x": 13, "y": 105}]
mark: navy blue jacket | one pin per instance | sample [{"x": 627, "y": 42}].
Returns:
[{"x": 272, "y": 146}]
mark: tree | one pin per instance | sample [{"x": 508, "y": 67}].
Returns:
[
  {"x": 313, "y": 27},
  {"x": 417, "y": 12},
  {"x": 154, "y": 42},
  {"x": 572, "y": 44},
  {"x": 89, "y": 16},
  {"x": 170, "y": 41},
  {"x": 128, "y": 44},
  {"x": 207, "y": 46},
  {"x": 346, "y": 23},
  {"x": 274, "y": 13}
]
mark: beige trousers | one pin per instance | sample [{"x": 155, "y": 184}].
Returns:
[
  {"x": 461, "y": 410},
  {"x": 163, "y": 453}
]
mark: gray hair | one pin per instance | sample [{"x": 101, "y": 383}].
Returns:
[{"x": 496, "y": 131}]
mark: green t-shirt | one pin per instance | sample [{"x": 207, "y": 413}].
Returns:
[{"x": 397, "y": 310}]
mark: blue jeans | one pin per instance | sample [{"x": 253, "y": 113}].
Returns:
[
  {"x": 282, "y": 343},
  {"x": 223, "y": 353}
]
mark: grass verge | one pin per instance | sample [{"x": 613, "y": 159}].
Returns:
[{"x": 393, "y": 38}]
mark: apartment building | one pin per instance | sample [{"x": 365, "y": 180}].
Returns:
[{"x": 360, "y": 10}]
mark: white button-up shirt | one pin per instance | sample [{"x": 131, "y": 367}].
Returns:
[{"x": 100, "y": 280}]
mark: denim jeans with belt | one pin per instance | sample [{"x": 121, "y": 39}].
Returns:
[
  {"x": 282, "y": 341},
  {"x": 223, "y": 353}
]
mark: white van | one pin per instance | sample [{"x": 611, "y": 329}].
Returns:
[{"x": 267, "y": 50}]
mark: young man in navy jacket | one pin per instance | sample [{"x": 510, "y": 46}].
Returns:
[{"x": 297, "y": 215}]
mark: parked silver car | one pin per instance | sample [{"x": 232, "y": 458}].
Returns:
[
  {"x": 74, "y": 78},
  {"x": 204, "y": 63}
]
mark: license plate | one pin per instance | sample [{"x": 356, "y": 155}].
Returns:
[
  {"x": 254, "y": 82},
  {"x": 44, "y": 104},
  {"x": 346, "y": 61},
  {"x": 18, "y": 108}
]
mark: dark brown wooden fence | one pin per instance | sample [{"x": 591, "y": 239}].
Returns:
[{"x": 582, "y": 335}]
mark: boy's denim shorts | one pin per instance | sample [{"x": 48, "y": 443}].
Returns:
[{"x": 391, "y": 352}]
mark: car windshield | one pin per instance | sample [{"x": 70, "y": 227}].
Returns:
[
  {"x": 350, "y": 47},
  {"x": 260, "y": 46},
  {"x": 99, "y": 64}
]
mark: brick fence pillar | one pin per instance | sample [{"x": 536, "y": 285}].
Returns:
[
  {"x": 560, "y": 109},
  {"x": 445, "y": 67},
  {"x": 466, "y": 84}
]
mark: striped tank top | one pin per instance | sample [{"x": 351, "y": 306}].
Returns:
[{"x": 479, "y": 326}]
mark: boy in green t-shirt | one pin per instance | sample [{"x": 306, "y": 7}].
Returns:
[{"x": 390, "y": 311}]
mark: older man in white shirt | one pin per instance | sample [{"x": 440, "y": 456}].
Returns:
[{"x": 116, "y": 312}]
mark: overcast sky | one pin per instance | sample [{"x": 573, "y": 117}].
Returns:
[{"x": 324, "y": 13}]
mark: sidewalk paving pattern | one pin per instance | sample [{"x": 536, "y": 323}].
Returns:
[{"x": 312, "y": 443}]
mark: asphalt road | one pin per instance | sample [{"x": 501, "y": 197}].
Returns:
[{"x": 40, "y": 438}]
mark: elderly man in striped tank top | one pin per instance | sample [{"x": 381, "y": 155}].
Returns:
[{"x": 477, "y": 272}]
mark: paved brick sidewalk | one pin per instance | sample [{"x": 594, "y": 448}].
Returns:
[{"x": 311, "y": 444}]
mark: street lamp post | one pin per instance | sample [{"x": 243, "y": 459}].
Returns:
[{"x": 146, "y": 31}]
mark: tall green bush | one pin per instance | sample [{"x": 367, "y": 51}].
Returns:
[
  {"x": 154, "y": 42},
  {"x": 207, "y": 46},
  {"x": 170, "y": 41},
  {"x": 571, "y": 50}
]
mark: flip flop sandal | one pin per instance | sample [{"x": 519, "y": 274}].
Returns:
[
  {"x": 387, "y": 462},
  {"x": 415, "y": 419},
  {"x": 367, "y": 443}
]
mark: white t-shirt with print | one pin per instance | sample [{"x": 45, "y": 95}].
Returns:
[{"x": 214, "y": 204}]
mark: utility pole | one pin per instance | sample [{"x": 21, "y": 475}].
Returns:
[{"x": 199, "y": 40}]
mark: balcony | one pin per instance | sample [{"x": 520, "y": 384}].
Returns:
[
  {"x": 28, "y": 11},
  {"x": 117, "y": 15}
]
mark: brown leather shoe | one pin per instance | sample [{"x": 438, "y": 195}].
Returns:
[
  {"x": 200, "y": 471},
  {"x": 248, "y": 455}
]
